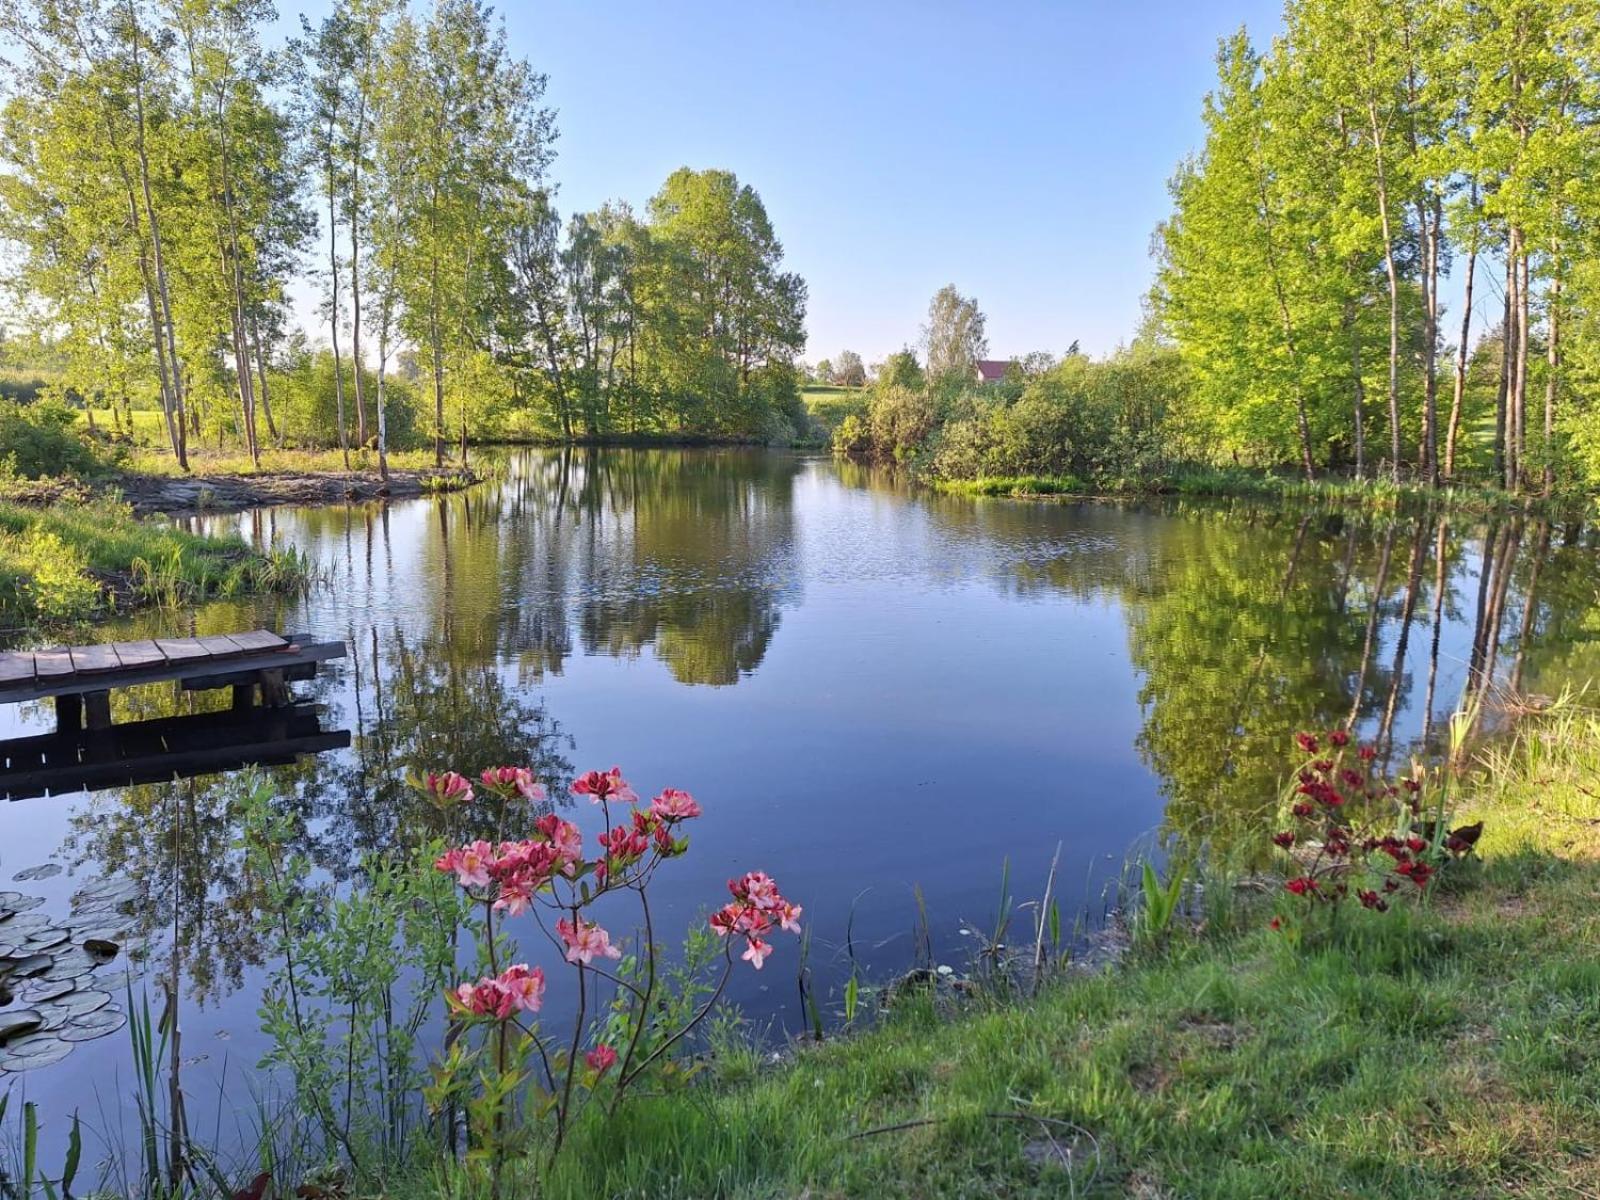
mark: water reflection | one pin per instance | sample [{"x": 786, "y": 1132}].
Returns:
[{"x": 845, "y": 670}]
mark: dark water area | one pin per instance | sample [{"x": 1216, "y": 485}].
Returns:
[{"x": 870, "y": 690}]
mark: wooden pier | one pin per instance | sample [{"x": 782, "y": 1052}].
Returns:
[
  {"x": 80, "y": 678},
  {"x": 163, "y": 749}
]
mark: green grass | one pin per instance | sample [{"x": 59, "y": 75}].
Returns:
[
  {"x": 829, "y": 406},
  {"x": 150, "y": 460},
  {"x": 71, "y": 561},
  {"x": 1443, "y": 1052},
  {"x": 1380, "y": 494}
]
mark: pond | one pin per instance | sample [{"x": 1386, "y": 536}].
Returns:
[{"x": 875, "y": 692}]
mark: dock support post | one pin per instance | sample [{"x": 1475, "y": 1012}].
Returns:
[
  {"x": 69, "y": 714},
  {"x": 244, "y": 697},
  {"x": 97, "y": 709},
  {"x": 274, "y": 691}
]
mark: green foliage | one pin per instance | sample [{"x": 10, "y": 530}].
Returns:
[
  {"x": 73, "y": 560},
  {"x": 42, "y": 438},
  {"x": 1069, "y": 421}
]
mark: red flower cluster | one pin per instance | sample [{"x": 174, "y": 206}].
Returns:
[
  {"x": 1345, "y": 829},
  {"x": 757, "y": 907}
]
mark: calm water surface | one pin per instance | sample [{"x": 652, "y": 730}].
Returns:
[{"x": 869, "y": 689}]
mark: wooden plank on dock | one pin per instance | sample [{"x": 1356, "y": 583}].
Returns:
[
  {"x": 92, "y": 660},
  {"x": 52, "y": 664},
  {"x": 136, "y": 654},
  {"x": 220, "y": 645},
  {"x": 182, "y": 649},
  {"x": 195, "y": 673},
  {"x": 257, "y": 641},
  {"x": 16, "y": 666}
]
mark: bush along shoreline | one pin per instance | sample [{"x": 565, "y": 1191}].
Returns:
[
  {"x": 78, "y": 560},
  {"x": 1392, "y": 993}
]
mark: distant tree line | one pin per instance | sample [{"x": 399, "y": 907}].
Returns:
[
  {"x": 1070, "y": 416},
  {"x": 169, "y": 173},
  {"x": 1378, "y": 154}
]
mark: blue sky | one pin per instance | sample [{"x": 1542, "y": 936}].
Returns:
[{"x": 1017, "y": 150}]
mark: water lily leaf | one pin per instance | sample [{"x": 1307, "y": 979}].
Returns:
[
  {"x": 24, "y": 925},
  {"x": 24, "y": 966},
  {"x": 116, "y": 982},
  {"x": 21, "y": 1021},
  {"x": 16, "y": 902},
  {"x": 33, "y": 1051},
  {"x": 81, "y": 1004},
  {"x": 94, "y": 1025},
  {"x": 47, "y": 989},
  {"x": 42, "y": 871},
  {"x": 45, "y": 940},
  {"x": 70, "y": 962}
]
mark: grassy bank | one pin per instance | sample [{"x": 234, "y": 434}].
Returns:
[
  {"x": 73, "y": 561},
  {"x": 147, "y": 460},
  {"x": 1381, "y": 494},
  {"x": 1447, "y": 1051}
]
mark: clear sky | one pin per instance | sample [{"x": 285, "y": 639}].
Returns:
[{"x": 1017, "y": 150}]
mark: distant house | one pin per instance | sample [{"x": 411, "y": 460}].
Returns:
[{"x": 992, "y": 370}]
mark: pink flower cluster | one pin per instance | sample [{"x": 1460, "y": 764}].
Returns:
[
  {"x": 517, "y": 989},
  {"x": 757, "y": 907},
  {"x": 512, "y": 872}
]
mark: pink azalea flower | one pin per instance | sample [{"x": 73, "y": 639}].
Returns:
[
  {"x": 449, "y": 788},
  {"x": 517, "y": 779},
  {"x": 759, "y": 889},
  {"x": 601, "y": 1059},
  {"x": 469, "y": 863},
  {"x": 586, "y": 941},
  {"x": 674, "y": 805},
  {"x": 602, "y": 786},
  {"x": 789, "y": 917},
  {"x": 525, "y": 987},
  {"x": 756, "y": 952},
  {"x": 515, "y": 898}
]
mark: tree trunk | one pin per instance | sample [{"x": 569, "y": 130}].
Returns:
[
  {"x": 266, "y": 395},
  {"x": 1459, "y": 395},
  {"x": 1553, "y": 361},
  {"x": 1360, "y": 398},
  {"x": 333, "y": 293},
  {"x": 1504, "y": 463},
  {"x": 1519, "y": 379},
  {"x": 1394, "y": 295},
  {"x": 1430, "y": 350}
]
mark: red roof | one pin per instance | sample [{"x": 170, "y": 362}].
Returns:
[{"x": 992, "y": 370}]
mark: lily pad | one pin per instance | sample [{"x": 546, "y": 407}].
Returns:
[
  {"x": 16, "y": 902},
  {"x": 100, "y": 892},
  {"x": 34, "y": 1051},
  {"x": 25, "y": 966},
  {"x": 42, "y": 871},
  {"x": 24, "y": 925},
  {"x": 95, "y": 1025},
  {"x": 47, "y": 989},
  {"x": 81, "y": 1004},
  {"x": 117, "y": 982},
  {"x": 18, "y": 1022},
  {"x": 71, "y": 962},
  {"x": 45, "y": 940}
]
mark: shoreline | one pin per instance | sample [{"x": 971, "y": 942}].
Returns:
[{"x": 205, "y": 493}]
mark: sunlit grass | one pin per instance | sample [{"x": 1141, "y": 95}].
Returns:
[
  {"x": 1378, "y": 494},
  {"x": 71, "y": 561},
  {"x": 150, "y": 460}
]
